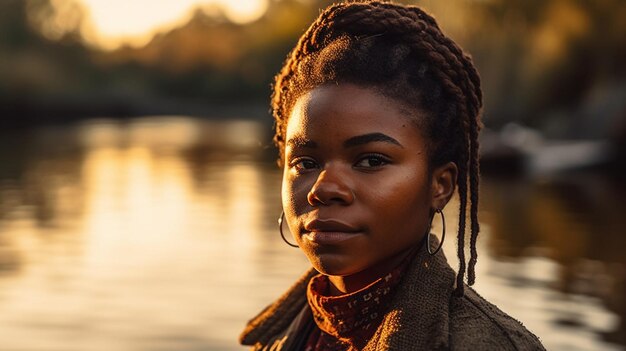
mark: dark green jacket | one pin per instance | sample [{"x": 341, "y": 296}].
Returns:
[{"x": 424, "y": 315}]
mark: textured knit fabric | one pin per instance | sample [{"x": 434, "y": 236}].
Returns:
[
  {"x": 349, "y": 320},
  {"x": 318, "y": 341},
  {"x": 424, "y": 314}
]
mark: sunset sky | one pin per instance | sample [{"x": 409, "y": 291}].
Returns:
[{"x": 117, "y": 22}]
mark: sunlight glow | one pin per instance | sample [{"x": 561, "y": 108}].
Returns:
[{"x": 113, "y": 23}]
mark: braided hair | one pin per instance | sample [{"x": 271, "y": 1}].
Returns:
[{"x": 401, "y": 52}]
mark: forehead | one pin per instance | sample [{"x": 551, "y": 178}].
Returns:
[{"x": 345, "y": 110}]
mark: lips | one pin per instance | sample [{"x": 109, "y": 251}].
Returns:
[{"x": 329, "y": 231}]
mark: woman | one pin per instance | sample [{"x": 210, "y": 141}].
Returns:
[{"x": 377, "y": 120}]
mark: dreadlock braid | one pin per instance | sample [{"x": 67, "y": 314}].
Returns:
[{"x": 400, "y": 51}]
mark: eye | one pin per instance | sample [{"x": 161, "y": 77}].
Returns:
[
  {"x": 372, "y": 161},
  {"x": 302, "y": 164}
]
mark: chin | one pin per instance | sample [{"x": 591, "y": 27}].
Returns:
[{"x": 335, "y": 265}]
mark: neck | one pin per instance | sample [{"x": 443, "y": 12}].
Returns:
[{"x": 341, "y": 285}]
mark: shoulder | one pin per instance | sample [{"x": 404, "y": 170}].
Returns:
[
  {"x": 479, "y": 325},
  {"x": 276, "y": 321}
]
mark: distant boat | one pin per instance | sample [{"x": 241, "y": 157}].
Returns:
[{"x": 519, "y": 150}]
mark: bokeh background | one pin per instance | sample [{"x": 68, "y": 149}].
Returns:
[{"x": 139, "y": 193}]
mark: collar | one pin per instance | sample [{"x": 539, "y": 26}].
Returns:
[{"x": 418, "y": 316}]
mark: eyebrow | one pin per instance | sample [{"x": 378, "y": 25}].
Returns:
[
  {"x": 300, "y": 142},
  {"x": 370, "y": 138}
]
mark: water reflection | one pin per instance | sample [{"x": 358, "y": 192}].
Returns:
[
  {"x": 160, "y": 234},
  {"x": 570, "y": 226}
]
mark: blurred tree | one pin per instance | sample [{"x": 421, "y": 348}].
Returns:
[
  {"x": 542, "y": 59},
  {"x": 35, "y": 66},
  {"x": 543, "y": 63}
]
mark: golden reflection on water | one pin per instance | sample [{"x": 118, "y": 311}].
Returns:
[
  {"x": 160, "y": 234},
  {"x": 242, "y": 212},
  {"x": 135, "y": 202}
]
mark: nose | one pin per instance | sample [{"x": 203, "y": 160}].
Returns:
[{"x": 330, "y": 188}]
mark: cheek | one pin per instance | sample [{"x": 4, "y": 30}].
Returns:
[
  {"x": 285, "y": 191},
  {"x": 287, "y": 197},
  {"x": 404, "y": 204},
  {"x": 408, "y": 188},
  {"x": 294, "y": 194}
]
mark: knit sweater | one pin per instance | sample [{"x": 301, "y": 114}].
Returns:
[{"x": 424, "y": 314}]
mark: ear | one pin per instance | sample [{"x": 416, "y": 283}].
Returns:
[{"x": 443, "y": 180}]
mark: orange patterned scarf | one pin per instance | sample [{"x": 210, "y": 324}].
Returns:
[{"x": 347, "y": 322}]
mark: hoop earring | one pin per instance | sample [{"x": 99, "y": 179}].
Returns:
[
  {"x": 443, "y": 234},
  {"x": 280, "y": 228}
]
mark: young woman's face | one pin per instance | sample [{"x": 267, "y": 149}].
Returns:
[{"x": 356, "y": 188}]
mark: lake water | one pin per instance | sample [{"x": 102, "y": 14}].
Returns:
[{"x": 160, "y": 234}]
